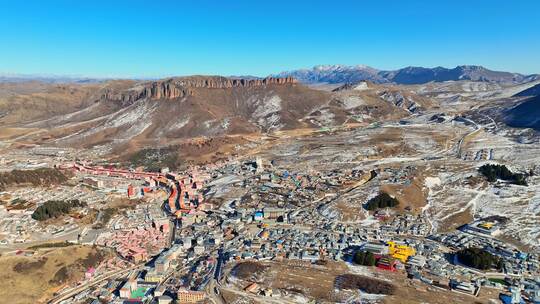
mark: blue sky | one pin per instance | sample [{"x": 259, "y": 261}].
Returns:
[{"x": 236, "y": 37}]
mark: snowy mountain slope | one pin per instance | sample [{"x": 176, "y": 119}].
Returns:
[{"x": 408, "y": 75}]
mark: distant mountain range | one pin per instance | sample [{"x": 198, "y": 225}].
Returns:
[
  {"x": 15, "y": 78},
  {"x": 123, "y": 116},
  {"x": 334, "y": 74}
]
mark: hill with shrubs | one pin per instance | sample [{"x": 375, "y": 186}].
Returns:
[
  {"x": 54, "y": 209},
  {"x": 36, "y": 177},
  {"x": 382, "y": 200}
]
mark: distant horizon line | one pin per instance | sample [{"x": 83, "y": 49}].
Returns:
[{"x": 73, "y": 77}]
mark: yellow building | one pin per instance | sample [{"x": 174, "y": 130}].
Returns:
[
  {"x": 487, "y": 225},
  {"x": 400, "y": 252},
  {"x": 153, "y": 277},
  {"x": 264, "y": 235},
  {"x": 190, "y": 296}
]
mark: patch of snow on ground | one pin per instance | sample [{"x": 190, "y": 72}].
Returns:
[
  {"x": 208, "y": 123},
  {"x": 520, "y": 205},
  {"x": 326, "y": 118},
  {"x": 432, "y": 182},
  {"x": 179, "y": 124},
  {"x": 360, "y": 270},
  {"x": 225, "y": 123},
  {"x": 134, "y": 117},
  {"x": 361, "y": 86},
  {"x": 390, "y": 160},
  {"x": 351, "y": 102},
  {"x": 369, "y": 221},
  {"x": 266, "y": 112}
]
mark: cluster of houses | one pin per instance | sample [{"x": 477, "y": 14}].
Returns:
[
  {"x": 276, "y": 216},
  {"x": 139, "y": 244}
]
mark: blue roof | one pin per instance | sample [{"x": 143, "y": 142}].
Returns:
[{"x": 506, "y": 299}]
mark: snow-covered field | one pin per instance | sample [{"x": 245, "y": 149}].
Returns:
[
  {"x": 456, "y": 192},
  {"x": 449, "y": 197}
]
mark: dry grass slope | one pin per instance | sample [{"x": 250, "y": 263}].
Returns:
[{"x": 34, "y": 279}]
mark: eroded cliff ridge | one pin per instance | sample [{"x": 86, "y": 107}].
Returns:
[{"x": 174, "y": 88}]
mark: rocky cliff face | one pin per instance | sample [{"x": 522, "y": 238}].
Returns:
[
  {"x": 225, "y": 83},
  {"x": 180, "y": 87}
]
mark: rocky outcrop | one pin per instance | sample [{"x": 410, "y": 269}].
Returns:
[
  {"x": 225, "y": 83},
  {"x": 359, "y": 86},
  {"x": 399, "y": 100},
  {"x": 155, "y": 90},
  {"x": 184, "y": 86}
]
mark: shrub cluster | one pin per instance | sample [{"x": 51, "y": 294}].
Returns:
[
  {"x": 382, "y": 200},
  {"x": 155, "y": 159},
  {"x": 37, "y": 177},
  {"x": 364, "y": 258},
  {"x": 479, "y": 259},
  {"x": 366, "y": 284},
  {"x": 52, "y": 209},
  {"x": 247, "y": 270},
  {"x": 493, "y": 172}
]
